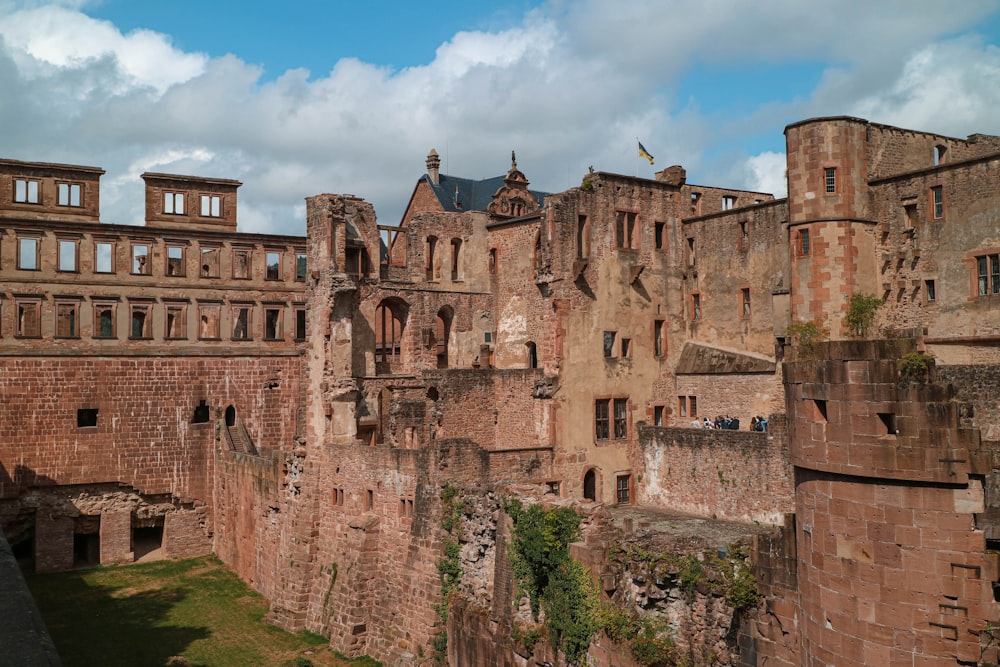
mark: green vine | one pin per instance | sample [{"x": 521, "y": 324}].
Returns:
[
  {"x": 449, "y": 567},
  {"x": 861, "y": 313}
]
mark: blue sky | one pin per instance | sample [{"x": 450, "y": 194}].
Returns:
[{"x": 297, "y": 98}]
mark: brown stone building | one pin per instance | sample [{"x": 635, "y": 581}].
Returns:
[{"x": 296, "y": 405}]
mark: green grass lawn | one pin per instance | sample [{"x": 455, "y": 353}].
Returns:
[{"x": 142, "y": 615}]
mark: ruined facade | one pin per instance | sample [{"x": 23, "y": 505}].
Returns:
[{"x": 296, "y": 405}]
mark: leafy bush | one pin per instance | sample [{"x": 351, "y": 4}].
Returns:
[
  {"x": 861, "y": 313},
  {"x": 915, "y": 367}
]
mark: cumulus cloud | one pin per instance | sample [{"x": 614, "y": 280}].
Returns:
[{"x": 569, "y": 87}]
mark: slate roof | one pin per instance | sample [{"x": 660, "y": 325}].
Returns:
[{"x": 472, "y": 195}]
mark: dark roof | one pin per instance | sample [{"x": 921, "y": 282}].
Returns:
[{"x": 471, "y": 195}]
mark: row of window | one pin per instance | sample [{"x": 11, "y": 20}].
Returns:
[
  {"x": 239, "y": 325},
  {"x": 29, "y": 191},
  {"x": 29, "y": 250},
  {"x": 174, "y": 204},
  {"x": 611, "y": 418},
  {"x": 615, "y": 347}
]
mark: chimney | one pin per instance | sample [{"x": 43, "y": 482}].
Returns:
[{"x": 433, "y": 165}]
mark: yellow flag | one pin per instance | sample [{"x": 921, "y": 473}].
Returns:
[{"x": 643, "y": 152}]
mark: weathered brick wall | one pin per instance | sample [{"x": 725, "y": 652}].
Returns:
[
  {"x": 770, "y": 635},
  {"x": 737, "y": 475},
  {"x": 743, "y": 396}
]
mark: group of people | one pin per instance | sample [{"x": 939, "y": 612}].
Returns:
[{"x": 757, "y": 423}]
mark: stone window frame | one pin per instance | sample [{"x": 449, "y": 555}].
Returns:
[
  {"x": 986, "y": 274},
  {"x": 278, "y": 333},
  {"x": 234, "y": 309},
  {"x": 830, "y": 181},
  {"x": 687, "y": 406},
  {"x": 144, "y": 267},
  {"x": 602, "y": 419},
  {"x": 113, "y": 246},
  {"x": 729, "y": 202},
  {"x": 274, "y": 271},
  {"x": 174, "y": 202},
  {"x": 175, "y": 307},
  {"x": 213, "y": 268},
  {"x": 746, "y": 311},
  {"x": 301, "y": 265},
  {"x": 660, "y": 236},
  {"x": 627, "y": 231},
  {"x": 803, "y": 247},
  {"x": 612, "y": 418},
  {"x": 36, "y": 263},
  {"x": 301, "y": 318},
  {"x": 238, "y": 250},
  {"x": 937, "y": 202},
  {"x": 65, "y": 191},
  {"x": 62, "y": 242},
  {"x": 658, "y": 414},
  {"x": 71, "y": 305},
  {"x": 697, "y": 307},
  {"x": 175, "y": 245},
  {"x": 608, "y": 339},
  {"x": 23, "y": 305},
  {"x": 146, "y": 330},
  {"x": 659, "y": 338},
  {"x": 32, "y": 195},
  {"x": 210, "y": 205},
  {"x": 206, "y": 330},
  {"x": 97, "y": 305}
]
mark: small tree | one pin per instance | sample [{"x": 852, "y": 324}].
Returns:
[
  {"x": 861, "y": 314},
  {"x": 805, "y": 335}
]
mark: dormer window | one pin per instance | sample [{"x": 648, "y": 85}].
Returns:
[
  {"x": 173, "y": 203},
  {"x": 26, "y": 191},
  {"x": 69, "y": 194},
  {"x": 211, "y": 206}
]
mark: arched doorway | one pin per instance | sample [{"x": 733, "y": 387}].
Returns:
[
  {"x": 230, "y": 416},
  {"x": 442, "y": 330},
  {"x": 590, "y": 485},
  {"x": 532, "y": 354}
]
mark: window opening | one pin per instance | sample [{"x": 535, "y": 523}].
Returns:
[
  {"x": 582, "y": 237},
  {"x": 67, "y": 320},
  {"x": 626, "y": 348},
  {"x": 937, "y": 198},
  {"x": 830, "y": 179},
  {"x": 939, "y": 152},
  {"x": 140, "y": 259},
  {"x": 209, "y": 262},
  {"x": 820, "y": 406},
  {"x": 388, "y": 339},
  {"x": 29, "y": 319},
  {"x": 744, "y": 237},
  {"x": 493, "y": 261},
  {"x": 140, "y": 322},
  {"x": 621, "y": 418},
  {"x": 602, "y": 419},
  {"x": 609, "y": 344},
  {"x": 104, "y": 253},
  {"x": 67, "y": 255},
  {"x": 696, "y": 306},
  {"x": 300, "y": 324},
  {"x": 696, "y": 203},
  {"x": 931, "y": 290},
  {"x": 27, "y": 254},
  {"x": 68, "y": 194},
  {"x": 431, "y": 274},
  {"x": 300, "y": 266},
  {"x": 176, "y": 322},
  {"x": 590, "y": 485},
  {"x": 241, "y": 263},
  {"x": 745, "y": 299},
  {"x": 241, "y": 323},
  {"x": 173, "y": 203},
  {"x": 659, "y": 235},
  {"x": 532, "y": 354},
  {"x": 659, "y": 338},
  {"x": 658, "y": 415},
  {"x": 888, "y": 420},
  {"x": 273, "y": 261},
  {"x": 625, "y": 229},
  {"x": 728, "y": 202},
  {"x": 456, "y": 248},
  {"x": 26, "y": 191},
  {"x": 211, "y": 206},
  {"x": 104, "y": 325},
  {"x": 272, "y": 324},
  {"x": 623, "y": 495},
  {"x": 86, "y": 417},
  {"x": 692, "y": 258},
  {"x": 803, "y": 244},
  {"x": 201, "y": 413}
]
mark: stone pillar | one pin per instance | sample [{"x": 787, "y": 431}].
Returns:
[{"x": 116, "y": 537}]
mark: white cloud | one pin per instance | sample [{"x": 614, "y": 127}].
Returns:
[{"x": 571, "y": 87}]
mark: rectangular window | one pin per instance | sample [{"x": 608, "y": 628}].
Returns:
[
  {"x": 937, "y": 199},
  {"x": 27, "y": 253},
  {"x": 995, "y": 274},
  {"x": 300, "y": 266},
  {"x": 209, "y": 321},
  {"x": 68, "y": 255},
  {"x": 693, "y": 406},
  {"x": 803, "y": 244},
  {"x": 272, "y": 324},
  {"x": 728, "y": 202},
  {"x": 176, "y": 322},
  {"x": 140, "y": 259},
  {"x": 609, "y": 344},
  {"x": 988, "y": 275},
  {"x": 745, "y": 299},
  {"x": 602, "y": 419},
  {"x": 29, "y": 319},
  {"x": 659, "y": 337},
  {"x": 371, "y": 500},
  {"x": 696, "y": 203},
  {"x": 939, "y": 152},
  {"x": 621, "y": 418},
  {"x": 27, "y": 191},
  {"x": 141, "y": 322},
  {"x": 682, "y": 406},
  {"x": 622, "y": 493},
  {"x": 910, "y": 215},
  {"x": 273, "y": 265},
  {"x": 241, "y": 322},
  {"x": 175, "y": 260},
  {"x": 104, "y": 255},
  {"x": 300, "y": 324},
  {"x": 492, "y": 263},
  {"x": 657, "y": 415},
  {"x": 696, "y": 306},
  {"x": 626, "y": 348},
  {"x": 625, "y": 229},
  {"x": 692, "y": 258},
  {"x": 830, "y": 179},
  {"x": 241, "y": 263},
  {"x": 86, "y": 417},
  {"x": 69, "y": 194},
  {"x": 211, "y": 206},
  {"x": 210, "y": 262},
  {"x": 931, "y": 290},
  {"x": 582, "y": 237},
  {"x": 744, "y": 240},
  {"x": 173, "y": 203},
  {"x": 67, "y": 320},
  {"x": 659, "y": 235},
  {"x": 104, "y": 320}
]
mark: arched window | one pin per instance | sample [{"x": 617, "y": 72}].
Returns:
[
  {"x": 442, "y": 330},
  {"x": 590, "y": 485},
  {"x": 532, "y": 354},
  {"x": 390, "y": 320}
]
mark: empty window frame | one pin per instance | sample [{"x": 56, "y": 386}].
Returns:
[
  {"x": 660, "y": 235},
  {"x": 211, "y": 206},
  {"x": 687, "y": 406},
  {"x": 86, "y": 417},
  {"x": 28, "y": 253},
  {"x": 909, "y": 216},
  {"x": 939, "y": 152},
  {"x": 802, "y": 244},
  {"x": 104, "y": 320},
  {"x": 209, "y": 321},
  {"x": 67, "y": 319},
  {"x": 659, "y": 337},
  {"x": 682, "y": 406},
  {"x": 744, "y": 239},
  {"x": 609, "y": 344},
  {"x": 937, "y": 202},
  {"x": 582, "y": 237},
  {"x": 371, "y": 500},
  {"x": 602, "y": 419},
  {"x": 695, "y": 203},
  {"x": 104, "y": 257},
  {"x": 273, "y": 316},
  {"x": 456, "y": 251},
  {"x": 175, "y": 260},
  {"x": 176, "y": 321},
  {"x": 29, "y": 318},
  {"x": 930, "y": 290},
  {"x": 27, "y": 191},
  {"x": 657, "y": 415},
  {"x": 405, "y": 508},
  {"x": 696, "y": 306},
  {"x": 623, "y": 495},
  {"x": 141, "y": 266},
  {"x": 988, "y": 275},
  {"x": 626, "y": 351},
  {"x": 300, "y": 323},
  {"x": 745, "y": 302},
  {"x": 430, "y": 262},
  {"x": 300, "y": 265},
  {"x": 830, "y": 180},
  {"x": 242, "y": 258},
  {"x": 210, "y": 261},
  {"x": 492, "y": 264},
  {"x": 69, "y": 194},
  {"x": 272, "y": 263},
  {"x": 173, "y": 203},
  {"x": 728, "y": 202},
  {"x": 691, "y": 257},
  {"x": 141, "y": 321},
  {"x": 621, "y": 418},
  {"x": 242, "y": 321},
  {"x": 626, "y": 232},
  {"x": 69, "y": 255}
]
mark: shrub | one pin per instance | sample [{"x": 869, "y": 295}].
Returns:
[{"x": 861, "y": 313}]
